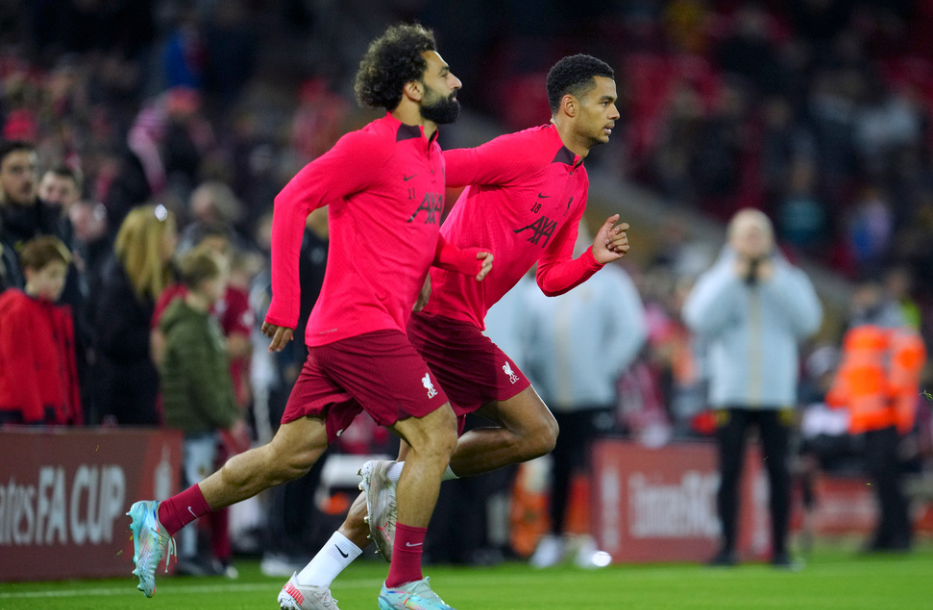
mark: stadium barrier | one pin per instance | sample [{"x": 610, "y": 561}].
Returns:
[
  {"x": 659, "y": 504},
  {"x": 64, "y": 494}
]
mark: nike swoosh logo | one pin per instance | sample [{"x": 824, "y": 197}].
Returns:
[
  {"x": 341, "y": 552},
  {"x": 540, "y": 196},
  {"x": 410, "y": 544},
  {"x": 192, "y": 513},
  {"x": 407, "y": 178}
]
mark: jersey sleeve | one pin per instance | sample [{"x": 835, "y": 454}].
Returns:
[
  {"x": 504, "y": 160},
  {"x": 350, "y": 167},
  {"x": 558, "y": 272}
]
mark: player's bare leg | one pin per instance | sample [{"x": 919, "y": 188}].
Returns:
[
  {"x": 292, "y": 452},
  {"x": 526, "y": 430}
]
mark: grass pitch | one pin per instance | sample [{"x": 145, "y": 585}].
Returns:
[{"x": 831, "y": 580}]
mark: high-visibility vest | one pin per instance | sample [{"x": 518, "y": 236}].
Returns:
[
  {"x": 878, "y": 379},
  {"x": 908, "y": 356}
]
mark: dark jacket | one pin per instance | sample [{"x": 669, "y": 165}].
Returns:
[
  {"x": 197, "y": 391},
  {"x": 129, "y": 381}
]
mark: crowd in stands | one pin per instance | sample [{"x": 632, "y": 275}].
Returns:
[{"x": 144, "y": 142}]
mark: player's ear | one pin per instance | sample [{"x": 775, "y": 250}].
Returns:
[
  {"x": 413, "y": 90},
  {"x": 569, "y": 105}
]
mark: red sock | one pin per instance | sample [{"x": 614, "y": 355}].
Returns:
[
  {"x": 406, "y": 555},
  {"x": 182, "y": 508}
]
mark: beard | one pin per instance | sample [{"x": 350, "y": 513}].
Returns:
[{"x": 441, "y": 110}]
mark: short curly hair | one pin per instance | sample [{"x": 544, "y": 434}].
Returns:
[
  {"x": 392, "y": 60},
  {"x": 574, "y": 75}
]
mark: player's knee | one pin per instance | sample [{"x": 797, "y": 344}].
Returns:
[{"x": 442, "y": 439}]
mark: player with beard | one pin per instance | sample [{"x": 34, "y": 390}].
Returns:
[
  {"x": 525, "y": 195},
  {"x": 384, "y": 185}
]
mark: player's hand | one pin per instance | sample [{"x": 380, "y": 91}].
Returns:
[
  {"x": 611, "y": 242},
  {"x": 424, "y": 295},
  {"x": 281, "y": 335},
  {"x": 486, "y": 267}
]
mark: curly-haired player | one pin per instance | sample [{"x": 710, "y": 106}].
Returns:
[
  {"x": 384, "y": 185},
  {"x": 525, "y": 195}
]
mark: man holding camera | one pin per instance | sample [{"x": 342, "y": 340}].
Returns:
[{"x": 751, "y": 310}]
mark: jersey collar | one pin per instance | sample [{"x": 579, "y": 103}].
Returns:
[
  {"x": 565, "y": 155},
  {"x": 410, "y": 132}
]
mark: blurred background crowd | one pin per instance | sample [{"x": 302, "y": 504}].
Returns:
[{"x": 135, "y": 130}]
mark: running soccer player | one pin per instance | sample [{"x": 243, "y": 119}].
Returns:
[
  {"x": 525, "y": 195},
  {"x": 384, "y": 185}
]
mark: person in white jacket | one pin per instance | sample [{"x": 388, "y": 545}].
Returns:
[
  {"x": 576, "y": 347},
  {"x": 753, "y": 308}
]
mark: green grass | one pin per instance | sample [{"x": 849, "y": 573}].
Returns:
[{"x": 832, "y": 579}]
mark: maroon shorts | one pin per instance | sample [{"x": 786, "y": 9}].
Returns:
[
  {"x": 470, "y": 367},
  {"x": 378, "y": 372}
]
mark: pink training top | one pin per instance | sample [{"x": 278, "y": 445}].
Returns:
[
  {"x": 525, "y": 198},
  {"x": 385, "y": 188}
]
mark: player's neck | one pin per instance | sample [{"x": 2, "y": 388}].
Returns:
[
  {"x": 409, "y": 113},
  {"x": 572, "y": 141}
]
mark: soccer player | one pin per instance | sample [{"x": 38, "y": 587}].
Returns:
[
  {"x": 384, "y": 185},
  {"x": 524, "y": 198}
]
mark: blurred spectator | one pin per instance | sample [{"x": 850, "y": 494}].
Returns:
[
  {"x": 60, "y": 187},
  {"x": 132, "y": 281},
  {"x": 602, "y": 316},
  {"x": 871, "y": 230},
  {"x": 23, "y": 215},
  {"x": 753, "y": 308},
  {"x": 878, "y": 382},
  {"x": 92, "y": 249},
  {"x": 803, "y": 220},
  {"x": 871, "y": 304},
  {"x": 38, "y": 376},
  {"x": 899, "y": 284},
  {"x": 212, "y": 204},
  {"x": 197, "y": 391}
]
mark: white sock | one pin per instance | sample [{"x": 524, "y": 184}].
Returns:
[
  {"x": 329, "y": 562},
  {"x": 395, "y": 472}
]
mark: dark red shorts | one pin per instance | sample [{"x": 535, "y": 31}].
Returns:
[
  {"x": 378, "y": 372},
  {"x": 470, "y": 367}
]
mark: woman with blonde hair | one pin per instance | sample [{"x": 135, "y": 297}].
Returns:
[{"x": 132, "y": 282}]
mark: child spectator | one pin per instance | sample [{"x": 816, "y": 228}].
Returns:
[
  {"x": 197, "y": 391},
  {"x": 38, "y": 375}
]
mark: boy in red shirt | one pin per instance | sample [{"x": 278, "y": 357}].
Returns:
[
  {"x": 383, "y": 186},
  {"x": 38, "y": 374}
]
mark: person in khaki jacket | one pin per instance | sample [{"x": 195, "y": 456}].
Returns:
[{"x": 197, "y": 390}]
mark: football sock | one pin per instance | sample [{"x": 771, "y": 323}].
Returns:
[
  {"x": 331, "y": 560},
  {"x": 406, "y": 555},
  {"x": 182, "y": 508}
]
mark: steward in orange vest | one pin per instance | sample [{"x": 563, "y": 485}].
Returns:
[{"x": 878, "y": 379}]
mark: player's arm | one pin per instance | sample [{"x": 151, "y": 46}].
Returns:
[
  {"x": 468, "y": 261},
  {"x": 558, "y": 272},
  {"x": 347, "y": 168},
  {"x": 500, "y": 161}
]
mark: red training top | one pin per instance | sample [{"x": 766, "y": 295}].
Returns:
[
  {"x": 38, "y": 374},
  {"x": 384, "y": 186},
  {"x": 525, "y": 198}
]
